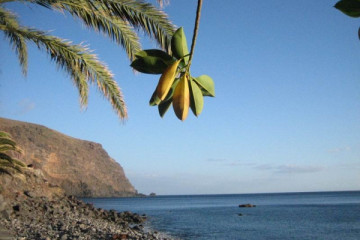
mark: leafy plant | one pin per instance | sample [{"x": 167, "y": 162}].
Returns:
[
  {"x": 8, "y": 164},
  {"x": 176, "y": 86},
  {"x": 117, "y": 19},
  {"x": 350, "y": 8}
]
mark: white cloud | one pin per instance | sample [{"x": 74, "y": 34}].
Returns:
[
  {"x": 216, "y": 160},
  {"x": 264, "y": 167},
  {"x": 25, "y": 106},
  {"x": 340, "y": 149},
  {"x": 239, "y": 163},
  {"x": 230, "y": 163},
  {"x": 297, "y": 169},
  {"x": 352, "y": 166},
  {"x": 288, "y": 168}
]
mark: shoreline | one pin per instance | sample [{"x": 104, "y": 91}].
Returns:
[
  {"x": 32, "y": 208},
  {"x": 70, "y": 218}
]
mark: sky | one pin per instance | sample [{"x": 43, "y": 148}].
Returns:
[{"x": 286, "y": 116}]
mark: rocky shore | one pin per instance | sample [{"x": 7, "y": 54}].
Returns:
[{"x": 30, "y": 208}]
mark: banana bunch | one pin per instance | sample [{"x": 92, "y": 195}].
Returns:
[{"x": 176, "y": 86}]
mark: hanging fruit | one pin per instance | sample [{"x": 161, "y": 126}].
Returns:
[
  {"x": 176, "y": 86},
  {"x": 181, "y": 98}
]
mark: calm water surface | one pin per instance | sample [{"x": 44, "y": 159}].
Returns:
[{"x": 320, "y": 215}]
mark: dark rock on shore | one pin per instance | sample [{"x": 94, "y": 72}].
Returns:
[
  {"x": 32, "y": 209},
  {"x": 69, "y": 218},
  {"x": 247, "y": 205}
]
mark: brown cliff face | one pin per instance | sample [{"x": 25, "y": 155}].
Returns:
[{"x": 80, "y": 167}]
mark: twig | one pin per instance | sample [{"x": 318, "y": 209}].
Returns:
[{"x": 196, "y": 27}]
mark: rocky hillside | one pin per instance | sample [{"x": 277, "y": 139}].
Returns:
[
  {"x": 81, "y": 168},
  {"x": 32, "y": 208}
]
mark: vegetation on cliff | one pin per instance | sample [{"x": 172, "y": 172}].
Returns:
[
  {"x": 82, "y": 168},
  {"x": 9, "y": 164}
]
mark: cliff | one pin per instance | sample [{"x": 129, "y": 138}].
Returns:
[{"x": 82, "y": 168}]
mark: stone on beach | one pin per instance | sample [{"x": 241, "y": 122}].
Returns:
[{"x": 31, "y": 209}]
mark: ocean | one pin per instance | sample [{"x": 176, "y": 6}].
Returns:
[{"x": 296, "y": 216}]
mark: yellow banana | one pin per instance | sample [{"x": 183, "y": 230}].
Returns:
[
  {"x": 181, "y": 98},
  {"x": 166, "y": 80}
]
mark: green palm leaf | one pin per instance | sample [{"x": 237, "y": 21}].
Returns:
[
  {"x": 162, "y": 2},
  {"x": 77, "y": 61},
  {"x": 81, "y": 65},
  {"x": 95, "y": 17},
  {"x": 143, "y": 16},
  {"x": 9, "y": 168},
  {"x": 9, "y": 164},
  {"x": 17, "y": 41},
  {"x": 115, "y": 18}
]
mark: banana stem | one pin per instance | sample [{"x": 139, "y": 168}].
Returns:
[{"x": 196, "y": 28}]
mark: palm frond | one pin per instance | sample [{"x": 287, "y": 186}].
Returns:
[
  {"x": 16, "y": 40},
  {"x": 5, "y": 1},
  {"x": 137, "y": 13},
  {"x": 163, "y": 3},
  {"x": 9, "y": 168},
  {"x": 9, "y": 164},
  {"x": 96, "y": 18},
  {"x": 144, "y": 16},
  {"x": 6, "y": 170},
  {"x": 6, "y": 140},
  {"x": 80, "y": 64},
  {"x": 9, "y": 143},
  {"x": 118, "y": 30},
  {"x": 5, "y": 157},
  {"x": 115, "y": 18},
  {"x": 4, "y": 148},
  {"x": 18, "y": 162},
  {"x": 4, "y": 134}
]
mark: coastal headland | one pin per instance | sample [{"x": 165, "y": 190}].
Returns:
[{"x": 43, "y": 202}]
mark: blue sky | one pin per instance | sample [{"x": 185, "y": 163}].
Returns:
[{"x": 286, "y": 116}]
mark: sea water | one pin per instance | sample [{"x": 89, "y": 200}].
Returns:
[{"x": 316, "y": 215}]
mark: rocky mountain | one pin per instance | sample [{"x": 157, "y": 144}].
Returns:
[{"x": 82, "y": 168}]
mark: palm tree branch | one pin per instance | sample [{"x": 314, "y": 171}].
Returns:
[
  {"x": 142, "y": 15},
  {"x": 5, "y": 157},
  {"x": 5, "y": 165},
  {"x": 8, "y": 164},
  {"x": 5, "y": 1},
  {"x": 112, "y": 17},
  {"x": 7, "y": 144},
  {"x": 7, "y": 20},
  {"x": 81, "y": 65},
  {"x": 4, "y": 148},
  {"x": 100, "y": 20},
  {"x": 162, "y": 3},
  {"x": 6, "y": 170},
  {"x": 7, "y": 141},
  {"x": 56, "y": 49},
  {"x": 4, "y": 135}
]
